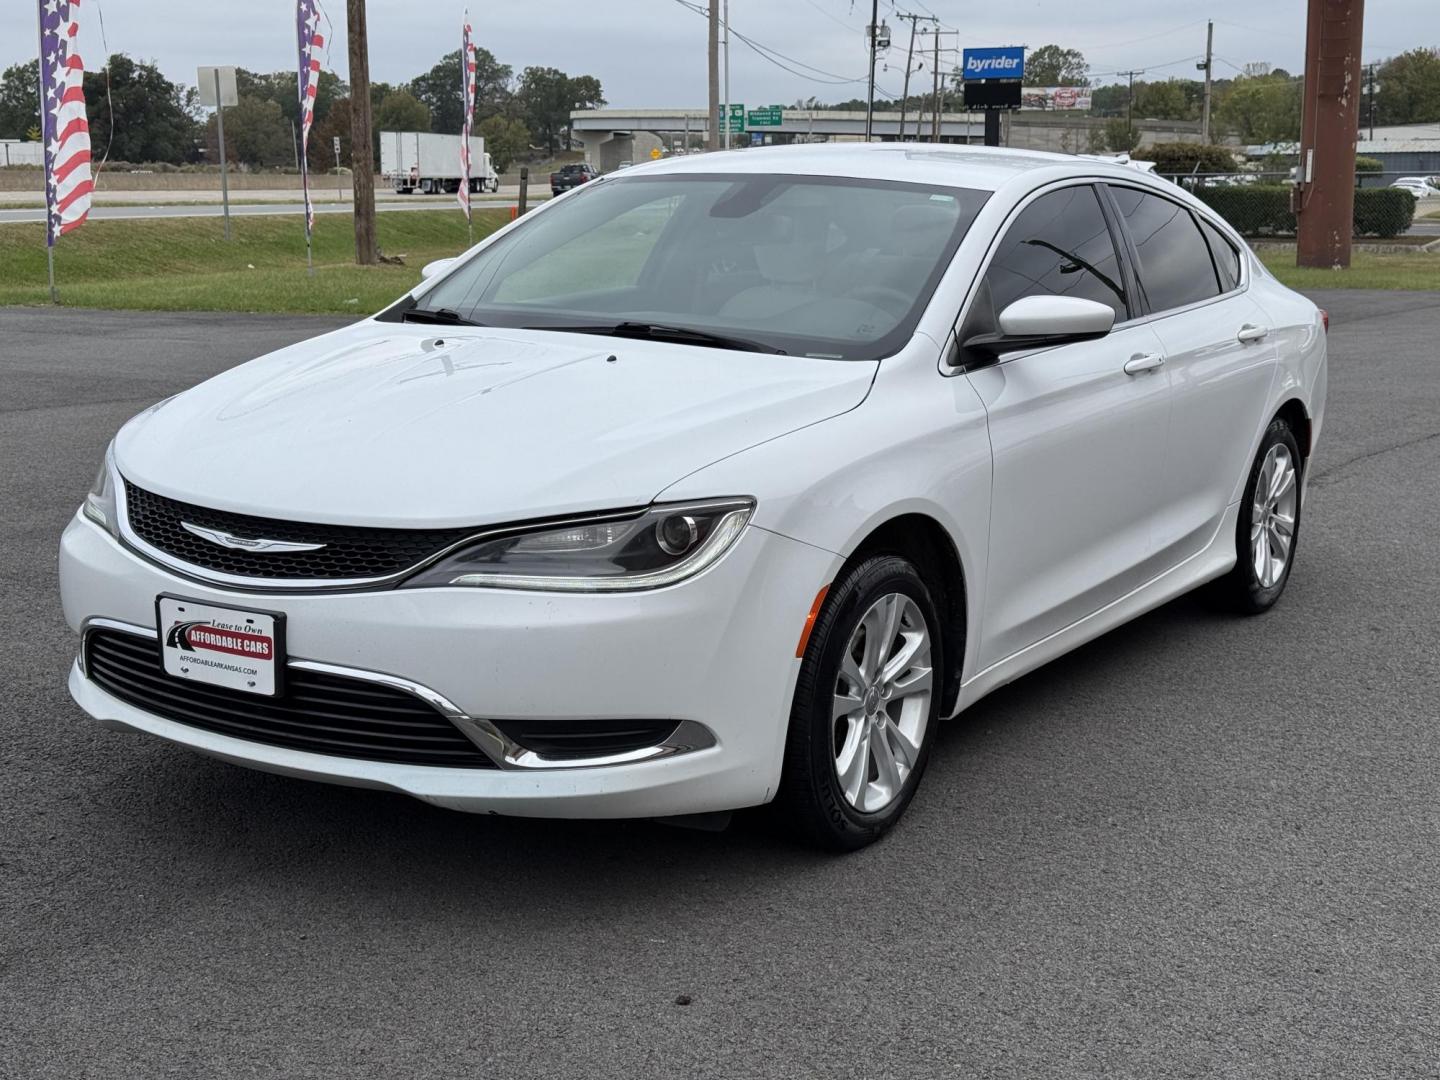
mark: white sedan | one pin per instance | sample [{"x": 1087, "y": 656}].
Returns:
[{"x": 722, "y": 481}]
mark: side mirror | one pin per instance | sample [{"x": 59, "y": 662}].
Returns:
[
  {"x": 430, "y": 269},
  {"x": 1035, "y": 321}
]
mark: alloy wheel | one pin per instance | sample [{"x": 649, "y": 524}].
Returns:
[
  {"x": 1272, "y": 516},
  {"x": 882, "y": 702}
]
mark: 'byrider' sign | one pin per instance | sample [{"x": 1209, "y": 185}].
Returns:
[{"x": 1003, "y": 63}]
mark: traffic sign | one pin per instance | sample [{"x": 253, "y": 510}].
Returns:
[
  {"x": 737, "y": 119},
  {"x": 656, "y": 154},
  {"x": 766, "y": 116}
]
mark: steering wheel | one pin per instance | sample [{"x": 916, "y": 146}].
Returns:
[{"x": 894, "y": 301}]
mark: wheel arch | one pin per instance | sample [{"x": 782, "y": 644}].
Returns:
[
  {"x": 1294, "y": 413},
  {"x": 925, "y": 542}
]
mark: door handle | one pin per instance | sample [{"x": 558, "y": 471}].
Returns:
[
  {"x": 1251, "y": 332},
  {"x": 1143, "y": 362}
]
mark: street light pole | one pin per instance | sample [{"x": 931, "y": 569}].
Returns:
[
  {"x": 725, "y": 16},
  {"x": 1209, "y": 67}
]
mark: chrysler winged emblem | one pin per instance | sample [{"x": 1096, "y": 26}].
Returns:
[{"x": 246, "y": 543}]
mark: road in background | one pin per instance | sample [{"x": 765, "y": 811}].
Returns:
[
  {"x": 246, "y": 209},
  {"x": 1202, "y": 846}
]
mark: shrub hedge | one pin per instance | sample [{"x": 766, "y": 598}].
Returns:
[
  {"x": 1182, "y": 157},
  {"x": 1264, "y": 209}
]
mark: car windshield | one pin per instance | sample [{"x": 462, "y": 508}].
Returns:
[{"x": 803, "y": 265}]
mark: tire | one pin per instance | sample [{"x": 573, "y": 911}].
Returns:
[
  {"x": 1257, "y": 580},
  {"x": 840, "y": 812}
]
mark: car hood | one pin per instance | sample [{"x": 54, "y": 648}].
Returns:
[{"x": 391, "y": 424}]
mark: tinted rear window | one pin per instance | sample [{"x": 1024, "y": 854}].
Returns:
[
  {"x": 1175, "y": 267},
  {"x": 1227, "y": 259}
]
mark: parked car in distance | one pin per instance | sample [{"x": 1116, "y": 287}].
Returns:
[
  {"x": 570, "y": 176},
  {"x": 1419, "y": 186},
  {"x": 722, "y": 482}
]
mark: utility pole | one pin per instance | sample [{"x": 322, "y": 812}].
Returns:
[
  {"x": 712, "y": 141},
  {"x": 362, "y": 153},
  {"x": 909, "y": 56},
  {"x": 725, "y": 18},
  {"x": 1207, "y": 67},
  {"x": 1130, "y": 105},
  {"x": 935, "y": 128},
  {"x": 870, "y": 97},
  {"x": 1324, "y": 196},
  {"x": 1370, "y": 98}
]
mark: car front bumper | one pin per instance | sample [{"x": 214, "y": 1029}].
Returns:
[{"x": 716, "y": 652}]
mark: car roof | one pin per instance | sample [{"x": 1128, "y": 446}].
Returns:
[{"x": 984, "y": 168}]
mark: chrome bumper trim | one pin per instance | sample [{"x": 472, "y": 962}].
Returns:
[{"x": 687, "y": 737}]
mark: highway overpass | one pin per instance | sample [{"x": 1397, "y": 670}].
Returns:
[{"x": 612, "y": 136}]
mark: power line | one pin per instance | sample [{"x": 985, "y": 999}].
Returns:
[{"x": 765, "y": 53}]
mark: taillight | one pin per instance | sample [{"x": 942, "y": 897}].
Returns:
[{"x": 1325, "y": 319}]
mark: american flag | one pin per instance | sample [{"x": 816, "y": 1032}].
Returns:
[
  {"x": 68, "y": 183},
  {"x": 310, "y": 41},
  {"x": 467, "y": 92}
]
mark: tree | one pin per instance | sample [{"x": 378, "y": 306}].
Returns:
[
  {"x": 1263, "y": 109},
  {"x": 1408, "y": 88},
  {"x": 1120, "y": 137},
  {"x": 505, "y": 140},
  {"x": 440, "y": 90},
  {"x": 19, "y": 99},
  {"x": 1109, "y": 100},
  {"x": 280, "y": 87},
  {"x": 256, "y": 134},
  {"x": 153, "y": 119},
  {"x": 1163, "y": 101},
  {"x": 1050, "y": 65},
  {"x": 336, "y": 124},
  {"x": 401, "y": 112},
  {"x": 548, "y": 96}
]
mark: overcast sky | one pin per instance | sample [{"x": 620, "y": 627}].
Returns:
[{"x": 652, "y": 52}]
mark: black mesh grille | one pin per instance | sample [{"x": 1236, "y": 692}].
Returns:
[
  {"x": 349, "y": 551},
  {"x": 324, "y": 714}
]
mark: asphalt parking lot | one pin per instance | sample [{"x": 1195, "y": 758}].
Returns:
[{"x": 1200, "y": 847}]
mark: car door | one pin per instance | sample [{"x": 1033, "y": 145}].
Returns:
[
  {"x": 1076, "y": 439},
  {"x": 1217, "y": 352}
]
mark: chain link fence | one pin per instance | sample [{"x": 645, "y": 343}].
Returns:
[{"x": 1259, "y": 204}]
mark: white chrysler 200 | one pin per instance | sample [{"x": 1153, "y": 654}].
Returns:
[{"x": 718, "y": 482}]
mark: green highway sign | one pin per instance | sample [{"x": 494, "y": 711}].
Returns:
[
  {"x": 737, "y": 118},
  {"x": 766, "y": 116}
]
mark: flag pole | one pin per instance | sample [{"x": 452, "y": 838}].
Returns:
[{"x": 45, "y": 152}]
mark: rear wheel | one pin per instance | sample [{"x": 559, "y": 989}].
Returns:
[
  {"x": 866, "y": 707},
  {"x": 1268, "y": 529}
]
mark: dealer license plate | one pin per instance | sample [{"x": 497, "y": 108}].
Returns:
[{"x": 222, "y": 646}]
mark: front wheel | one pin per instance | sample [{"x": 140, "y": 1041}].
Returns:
[
  {"x": 866, "y": 707},
  {"x": 1268, "y": 530}
]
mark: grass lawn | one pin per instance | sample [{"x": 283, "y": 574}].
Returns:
[
  {"x": 184, "y": 264},
  {"x": 1368, "y": 270}
]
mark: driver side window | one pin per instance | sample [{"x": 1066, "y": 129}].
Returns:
[{"x": 1060, "y": 245}]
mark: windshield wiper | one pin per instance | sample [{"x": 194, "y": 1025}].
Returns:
[
  {"x": 663, "y": 332},
  {"x": 443, "y": 316}
]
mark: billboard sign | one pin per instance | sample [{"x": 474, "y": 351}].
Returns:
[
  {"x": 992, "y": 94},
  {"x": 1056, "y": 97},
  {"x": 1002, "y": 63}
]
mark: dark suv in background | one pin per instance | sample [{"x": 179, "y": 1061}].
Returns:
[{"x": 571, "y": 176}]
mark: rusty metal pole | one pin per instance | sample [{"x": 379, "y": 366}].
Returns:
[{"x": 1324, "y": 196}]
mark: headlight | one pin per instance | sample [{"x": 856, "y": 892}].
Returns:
[
  {"x": 99, "y": 505},
  {"x": 663, "y": 545}
]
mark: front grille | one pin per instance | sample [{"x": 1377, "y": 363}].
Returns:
[
  {"x": 572, "y": 739},
  {"x": 349, "y": 552},
  {"x": 318, "y": 712}
]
